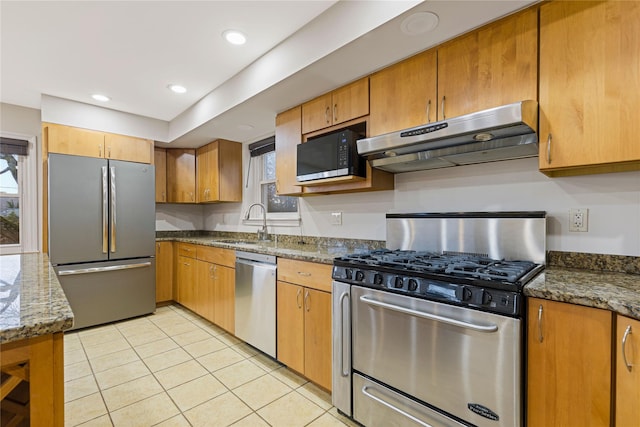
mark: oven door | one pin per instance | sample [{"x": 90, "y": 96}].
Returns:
[{"x": 465, "y": 362}]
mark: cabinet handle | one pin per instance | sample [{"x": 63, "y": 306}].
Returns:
[
  {"x": 164, "y": 196},
  {"x": 191, "y": 195},
  {"x": 429, "y": 111},
  {"x": 306, "y": 300},
  {"x": 540, "y": 337},
  {"x": 627, "y": 332},
  {"x": 298, "y": 294},
  {"x": 99, "y": 150},
  {"x": 304, "y": 273},
  {"x": 186, "y": 263},
  {"x": 109, "y": 152},
  {"x": 326, "y": 115},
  {"x": 335, "y": 113},
  {"x": 444, "y": 116},
  {"x": 549, "y": 148}
]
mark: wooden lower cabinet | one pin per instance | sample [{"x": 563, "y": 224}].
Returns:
[
  {"x": 569, "y": 368},
  {"x": 186, "y": 280},
  {"x": 304, "y": 331},
  {"x": 224, "y": 297},
  {"x": 205, "y": 284},
  {"x": 627, "y": 372},
  {"x": 164, "y": 271}
]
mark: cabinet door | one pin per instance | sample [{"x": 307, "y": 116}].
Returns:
[
  {"x": 164, "y": 271},
  {"x": 404, "y": 95},
  {"x": 288, "y": 136},
  {"x": 627, "y": 381},
  {"x": 350, "y": 101},
  {"x": 224, "y": 293},
  {"x": 230, "y": 171},
  {"x": 186, "y": 278},
  {"x": 207, "y": 160},
  {"x": 317, "y": 337},
  {"x": 181, "y": 175},
  {"x": 290, "y": 316},
  {"x": 204, "y": 305},
  {"x": 589, "y": 85},
  {"x": 317, "y": 114},
  {"x": 75, "y": 141},
  {"x": 489, "y": 67},
  {"x": 569, "y": 365},
  {"x": 160, "y": 161},
  {"x": 128, "y": 148}
]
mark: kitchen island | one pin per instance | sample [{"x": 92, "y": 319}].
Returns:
[{"x": 34, "y": 312}]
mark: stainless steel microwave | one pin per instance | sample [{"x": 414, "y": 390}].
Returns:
[{"x": 330, "y": 156}]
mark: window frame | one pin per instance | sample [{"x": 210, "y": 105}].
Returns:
[{"x": 28, "y": 200}]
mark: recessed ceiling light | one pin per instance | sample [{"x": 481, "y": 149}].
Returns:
[
  {"x": 177, "y": 88},
  {"x": 101, "y": 98},
  {"x": 234, "y": 37},
  {"x": 419, "y": 23}
]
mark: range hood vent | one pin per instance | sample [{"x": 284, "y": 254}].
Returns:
[{"x": 501, "y": 133}]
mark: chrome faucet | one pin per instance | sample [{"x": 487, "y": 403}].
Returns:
[{"x": 263, "y": 234}]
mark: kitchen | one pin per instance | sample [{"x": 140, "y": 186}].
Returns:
[{"x": 612, "y": 200}]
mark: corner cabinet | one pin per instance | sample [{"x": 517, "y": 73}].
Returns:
[
  {"x": 164, "y": 271},
  {"x": 589, "y": 87},
  {"x": 569, "y": 369},
  {"x": 181, "y": 175},
  {"x": 304, "y": 319},
  {"x": 627, "y": 372},
  {"x": 288, "y": 136},
  {"x": 346, "y": 103},
  {"x": 219, "y": 172},
  {"x": 160, "y": 161}
]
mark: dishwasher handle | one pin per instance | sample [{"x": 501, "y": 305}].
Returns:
[
  {"x": 255, "y": 264},
  {"x": 247, "y": 257}
]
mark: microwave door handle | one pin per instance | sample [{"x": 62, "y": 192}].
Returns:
[{"x": 438, "y": 318}]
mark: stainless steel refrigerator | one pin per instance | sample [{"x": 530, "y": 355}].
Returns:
[{"x": 102, "y": 236}]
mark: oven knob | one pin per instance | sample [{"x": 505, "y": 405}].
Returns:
[
  {"x": 398, "y": 282},
  {"x": 486, "y": 297},
  {"x": 413, "y": 284},
  {"x": 466, "y": 293},
  {"x": 348, "y": 273},
  {"x": 377, "y": 279},
  {"x": 359, "y": 276}
]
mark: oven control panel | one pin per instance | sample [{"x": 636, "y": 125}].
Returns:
[{"x": 469, "y": 295}]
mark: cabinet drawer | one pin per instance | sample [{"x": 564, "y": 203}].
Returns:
[
  {"x": 309, "y": 274},
  {"x": 187, "y": 249},
  {"x": 221, "y": 256}
]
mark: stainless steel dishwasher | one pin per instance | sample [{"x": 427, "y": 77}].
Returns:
[{"x": 256, "y": 300}]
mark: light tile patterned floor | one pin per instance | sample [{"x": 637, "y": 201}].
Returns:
[{"x": 173, "y": 368}]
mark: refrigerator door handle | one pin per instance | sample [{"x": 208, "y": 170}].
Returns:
[
  {"x": 102, "y": 269},
  {"x": 105, "y": 211},
  {"x": 112, "y": 170}
]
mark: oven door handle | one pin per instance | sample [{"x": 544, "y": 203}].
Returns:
[
  {"x": 343, "y": 297},
  {"x": 393, "y": 408},
  {"x": 448, "y": 320}
]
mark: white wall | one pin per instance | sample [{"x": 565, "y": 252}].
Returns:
[{"x": 613, "y": 201}]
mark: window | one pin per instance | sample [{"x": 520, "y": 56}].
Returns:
[
  {"x": 281, "y": 209},
  {"x": 18, "y": 203}
]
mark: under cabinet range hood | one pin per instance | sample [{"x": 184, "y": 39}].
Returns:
[{"x": 501, "y": 133}]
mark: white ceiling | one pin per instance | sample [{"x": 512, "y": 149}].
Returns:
[{"x": 131, "y": 50}]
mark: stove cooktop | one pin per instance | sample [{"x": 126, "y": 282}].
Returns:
[{"x": 463, "y": 279}]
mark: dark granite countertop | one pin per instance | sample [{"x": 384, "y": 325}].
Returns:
[
  {"x": 618, "y": 292},
  {"x": 32, "y": 302}
]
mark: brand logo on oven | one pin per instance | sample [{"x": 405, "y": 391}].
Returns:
[{"x": 483, "y": 411}]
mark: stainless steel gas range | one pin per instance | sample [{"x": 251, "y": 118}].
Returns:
[{"x": 430, "y": 332}]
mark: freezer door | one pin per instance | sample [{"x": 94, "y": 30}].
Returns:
[
  {"x": 132, "y": 226},
  {"x": 78, "y": 209},
  {"x": 108, "y": 291}
]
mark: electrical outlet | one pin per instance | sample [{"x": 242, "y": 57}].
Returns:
[
  {"x": 336, "y": 218},
  {"x": 578, "y": 219}
]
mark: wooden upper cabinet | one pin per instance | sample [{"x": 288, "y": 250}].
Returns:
[
  {"x": 589, "y": 87},
  {"x": 404, "y": 95},
  {"x": 83, "y": 142},
  {"x": 627, "y": 379},
  {"x": 569, "y": 365},
  {"x": 181, "y": 175},
  {"x": 219, "y": 172},
  {"x": 492, "y": 66},
  {"x": 288, "y": 136},
  {"x": 160, "y": 162},
  {"x": 75, "y": 141},
  {"x": 343, "y": 104},
  {"x": 121, "y": 147}
]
